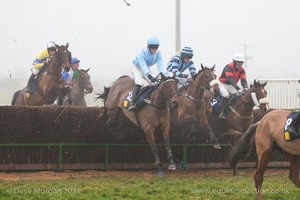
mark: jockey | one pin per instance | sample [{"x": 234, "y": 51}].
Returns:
[
  {"x": 42, "y": 58},
  {"x": 72, "y": 74},
  {"x": 231, "y": 74},
  {"x": 179, "y": 63},
  {"x": 146, "y": 58}
]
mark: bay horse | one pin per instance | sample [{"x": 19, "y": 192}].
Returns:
[
  {"x": 75, "y": 96},
  {"x": 240, "y": 114},
  {"x": 50, "y": 81},
  {"x": 152, "y": 116},
  {"x": 267, "y": 135},
  {"x": 192, "y": 107}
]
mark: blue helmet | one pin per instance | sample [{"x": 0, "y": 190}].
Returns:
[
  {"x": 153, "y": 42},
  {"x": 75, "y": 60}
]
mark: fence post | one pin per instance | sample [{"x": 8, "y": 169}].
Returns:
[
  {"x": 106, "y": 157},
  {"x": 184, "y": 158},
  {"x": 60, "y": 159}
]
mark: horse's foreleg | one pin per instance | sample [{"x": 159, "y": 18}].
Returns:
[
  {"x": 294, "y": 170},
  {"x": 166, "y": 133},
  {"x": 184, "y": 118},
  {"x": 151, "y": 140},
  {"x": 204, "y": 123}
]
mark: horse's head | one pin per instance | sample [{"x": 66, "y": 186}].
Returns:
[
  {"x": 63, "y": 56},
  {"x": 84, "y": 80},
  {"x": 204, "y": 77},
  {"x": 169, "y": 88},
  {"x": 256, "y": 93}
]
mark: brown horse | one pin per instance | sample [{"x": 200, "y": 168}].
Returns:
[
  {"x": 75, "y": 96},
  {"x": 240, "y": 114},
  {"x": 50, "y": 82},
  {"x": 153, "y": 115},
  {"x": 267, "y": 135},
  {"x": 192, "y": 106}
]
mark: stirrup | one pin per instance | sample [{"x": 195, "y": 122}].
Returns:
[
  {"x": 132, "y": 108},
  {"x": 222, "y": 116}
]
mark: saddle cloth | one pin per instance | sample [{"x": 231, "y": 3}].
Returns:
[
  {"x": 141, "y": 98},
  {"x": 215, "y": 104},
  {"x": 291, "y": 131}
]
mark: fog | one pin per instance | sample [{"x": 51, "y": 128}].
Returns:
[{"x": 106, "y": 35}]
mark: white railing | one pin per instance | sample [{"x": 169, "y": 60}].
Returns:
[{"x": 282, "y": 93}]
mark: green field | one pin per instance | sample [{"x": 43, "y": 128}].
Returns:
[{"x": 144, "y": 185}]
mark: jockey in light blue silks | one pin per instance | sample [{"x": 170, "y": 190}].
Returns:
[{"x": 146, "y": 58}]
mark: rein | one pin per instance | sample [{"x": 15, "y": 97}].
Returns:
[
  {"x": 201, "y": 87},
  {"x": 247, "y": 102},
  {"x": 150, "y": 103}
]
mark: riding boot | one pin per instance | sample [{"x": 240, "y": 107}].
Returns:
[
  {"x": 135, "y": 91},
  {"x": 30, "y": 80},
  {"x": 222, "y": 114}
]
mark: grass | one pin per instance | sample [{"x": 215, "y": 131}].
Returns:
[{"x": 141, "y": 185}]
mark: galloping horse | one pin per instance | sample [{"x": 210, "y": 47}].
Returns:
[
  {"x": 192, "y": 107},
  {"x": 265, "y": 135},
  {"x": 75, "y": 96},
  {"x": 50, "y": 82},
  {"x": 240, "y": 114},
  {"x": 153, "y": 115}
]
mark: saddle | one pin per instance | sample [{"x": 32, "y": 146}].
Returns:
[
  {"x": 35, "y": 82},
  {"x": 216, "y": 103},
  {"x": 141, "y": 98},
  {"x": 292, "y": 127}
]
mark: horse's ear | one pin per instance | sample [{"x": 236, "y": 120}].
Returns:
[
  {"x": 57, "y": 46},
  {"x": 67, "y": 45},
  {"x": 163, "y": 77},
  {"x": 254, "y": 82},
  {"x": 202, "y": 67},
  {"x": 88, "y": 70},
  {"x": 264, "y": 84},
  {"x": 213, "y": 67}
]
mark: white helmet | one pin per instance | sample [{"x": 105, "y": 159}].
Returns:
[
  {"x": 238, "y": 57},
  {"x": 51, "y": 44}
]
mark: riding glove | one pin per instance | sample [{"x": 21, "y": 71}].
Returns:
[{"x": 152, "y": 79}]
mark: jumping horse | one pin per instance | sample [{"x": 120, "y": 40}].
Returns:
[
  {"x": 50, "y": 81},
  {"x": 240, "y": 114},
  {"x": 192, "y": 107},
  {"x": 153, "y": 115},
  {"x": 267, "y": 135},
  {"x": 75, "y": 96}
]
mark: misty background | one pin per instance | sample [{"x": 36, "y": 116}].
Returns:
[{"x": 106, "y": 36}]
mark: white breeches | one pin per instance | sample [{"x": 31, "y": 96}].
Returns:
[
  {"x": 139, "y": 77},
  {"x": 226, "y": 89}
]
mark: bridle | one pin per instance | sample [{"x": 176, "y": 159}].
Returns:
[
  {"x": 164, "y": 90},
  {"x": 248, "y": 103}
]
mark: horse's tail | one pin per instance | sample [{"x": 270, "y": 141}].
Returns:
[
  {"x": 244, "y": 147},
  {"x": 16, "y": 94},
  {"x": 103, "y": 95}
]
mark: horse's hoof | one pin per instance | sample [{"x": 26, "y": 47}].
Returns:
[
  {"x": 160, "y": 174},
  {"x": 172, "y": 167},
  {"x": 217, "y": 146}
]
